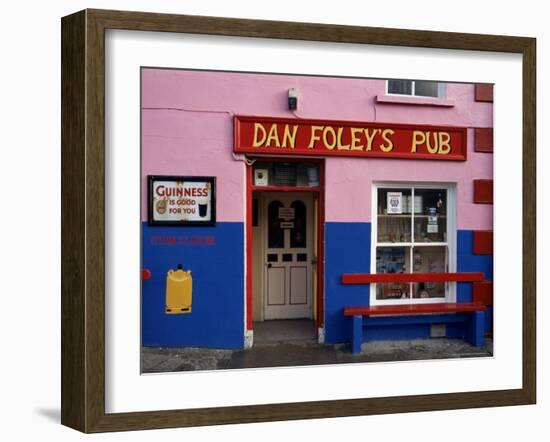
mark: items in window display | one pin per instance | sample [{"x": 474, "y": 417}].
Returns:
[
  {"x": 428, "y": 221},
  {"x": 439, "y": 203},
  {"x": 430, "y": 260},
  {"x": 417, "y": 261},
  {"x": 394, "y": 203},
  {"x": 390, "y": 260},
  {"x": 408, "y": 204},
  {"x": 432, "y": 220}
]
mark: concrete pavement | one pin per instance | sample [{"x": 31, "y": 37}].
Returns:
[{"x": 306, "y": 352}]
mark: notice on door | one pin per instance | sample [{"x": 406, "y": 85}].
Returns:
[
  {"x": 182, "y": 200},
  {"x": 286, "y": 213}
]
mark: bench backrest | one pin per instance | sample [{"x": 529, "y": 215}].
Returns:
[{"x": 370, "y": 278}]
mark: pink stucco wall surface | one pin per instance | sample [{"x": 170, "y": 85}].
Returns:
[{"x": 187, "y": 128}]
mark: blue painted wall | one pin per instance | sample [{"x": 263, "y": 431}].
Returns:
[
  {"x": 215, "y": 256},
  {"x": 347, "y": 250},
  {"x": 468, "y": 262}
]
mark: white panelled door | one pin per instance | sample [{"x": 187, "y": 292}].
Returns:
[{"x": 288, "y": 255}]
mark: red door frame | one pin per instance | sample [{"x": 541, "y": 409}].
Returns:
[{"x": 320, "y": 191}]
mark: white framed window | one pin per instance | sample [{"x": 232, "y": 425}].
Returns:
[
  {"x": 413, "y": 231},
  {"x": 416, "y": 88}
]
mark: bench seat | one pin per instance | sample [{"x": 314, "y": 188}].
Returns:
[{"x": 469, "y": 312}]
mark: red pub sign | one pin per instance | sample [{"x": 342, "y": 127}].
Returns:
[{"x": 285, "y": 136}]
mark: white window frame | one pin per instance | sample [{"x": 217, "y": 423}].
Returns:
[
  {"x": 450, "y": 287},
  {"x": 441, "y": 90}
]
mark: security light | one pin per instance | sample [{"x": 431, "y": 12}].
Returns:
[{"x": 293, "y": 99}]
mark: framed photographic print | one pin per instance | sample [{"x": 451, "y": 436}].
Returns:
[{"x": 267, "y": 221}]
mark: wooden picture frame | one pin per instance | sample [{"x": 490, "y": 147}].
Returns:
[{"x": 83, "y": 220}]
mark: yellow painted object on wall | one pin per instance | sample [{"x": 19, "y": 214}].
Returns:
[{"x": 179, "y": 291}]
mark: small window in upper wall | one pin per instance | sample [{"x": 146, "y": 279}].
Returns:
[{"x": 417, "y": 88}]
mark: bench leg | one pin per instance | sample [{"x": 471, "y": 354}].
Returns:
[
  {"x": 357, "y": 334},
  {"x": 477, "y": 329}
]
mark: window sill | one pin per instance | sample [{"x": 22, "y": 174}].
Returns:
[{"x": 415, "y": 101}]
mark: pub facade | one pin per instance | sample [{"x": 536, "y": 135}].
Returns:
[{"x": 361, "y": 205}]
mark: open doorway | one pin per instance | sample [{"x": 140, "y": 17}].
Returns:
[{"x": 285, "y": 240}]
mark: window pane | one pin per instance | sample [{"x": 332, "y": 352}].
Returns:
[
  {"x": 298, "y": 233},
  {"x": 403, "y": 87},
  {"x": 286, "y": 174},
  {"x": 428, "y": 259},
  {"x": 426, "y": 88},
  {"x": 393, "y": 260},
  {"x": 307, "y": 175},
  {"x": 430, "y": 222},
  {"x": 275, "y": 235},
  {"x": 394, "y": 215}
]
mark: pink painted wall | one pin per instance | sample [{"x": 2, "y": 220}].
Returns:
[{"x": 187, "y": 128}]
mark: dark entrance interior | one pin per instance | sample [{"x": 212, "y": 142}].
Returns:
[{"x": 284, "y": 330}]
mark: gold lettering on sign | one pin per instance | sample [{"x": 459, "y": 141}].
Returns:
[
  {"x": 273, "y": 136},
  {"x": 314, "y": 136},
  {"x": 388, "y": 146},
  {"x": 419, "y": 138},
  {"x": 347, "y": 138},
  {"x": 431, "y": 149},
  {"x": 339, "y": 143},
  {"x": 332, "y": 132},
  {"x": 355, "y": 139},
  {"x": 258, "y": 128},
  {"x": 444, "y": 146},
  {"x": 288, "y": 137},
  {"x": 370, "y": 137}
]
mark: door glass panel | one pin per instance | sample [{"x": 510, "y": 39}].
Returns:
[
  {"x": 275, "y": 235},
  {"x": 298, "y": 233}
]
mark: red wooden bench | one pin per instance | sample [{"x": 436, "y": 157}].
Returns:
[{"x": 401, "y": 314}]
